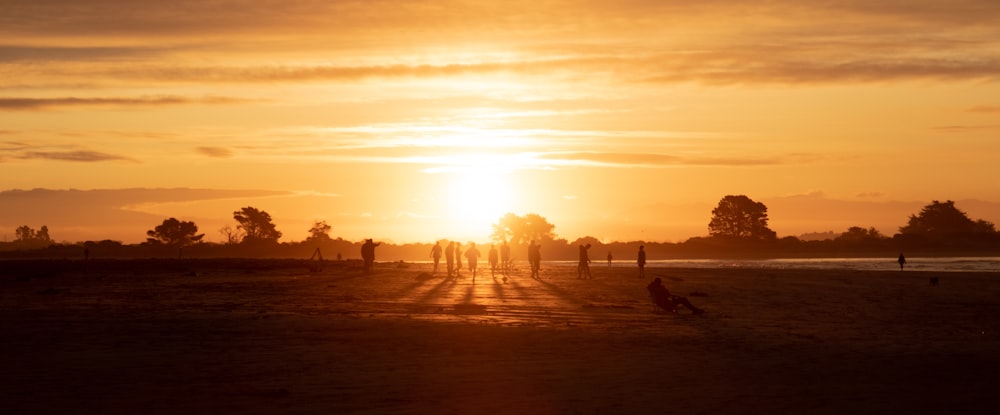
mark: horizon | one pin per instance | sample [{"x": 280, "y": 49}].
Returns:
[{"x": 414, "y": 122}]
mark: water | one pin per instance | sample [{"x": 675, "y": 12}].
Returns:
[{"x": 950, "y": 264}]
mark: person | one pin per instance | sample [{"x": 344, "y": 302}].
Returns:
[
  {"x": 662, "y": 297},
  {"x": 505, "y": 257},
  {"x": 535, "y": 258},
  {"x": 368, "y": 254},
  {"x": 493, "y": 258},
  {"x": 473, "y": 256},
  {"x": 583, "y": 268},
  {"x": 610, "y": 258},
  {"x": 641, "y": 260},
  {"x": 458, "y": 259},
  {"x": 901, "y": 261},
  {"x": 436, "y": 254},
  {"x": 449, "y": 256}
]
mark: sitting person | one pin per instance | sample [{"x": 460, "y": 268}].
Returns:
[{"x": 667, "y": 301}]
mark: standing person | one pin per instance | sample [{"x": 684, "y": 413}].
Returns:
[
  {"x": 535, "y": 258},
  {"x": 610, "y": 258},
  {"x": 449, "y": 256},
  {"x": 436, "y": 254},
  {"x": 473, "y": 256},
  {"x": 493, "y": 261},
  {"x": 368, "y": 254},
  {"x": 901, "y": 261},
  {"x": 583, "y": 268},
  {"x": 505, "y": 257},
  {"x": 458, "y": 259},
  {"x": 641, "y": 260}
]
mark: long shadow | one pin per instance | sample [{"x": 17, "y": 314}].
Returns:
[{"x": 433, "y": 293}]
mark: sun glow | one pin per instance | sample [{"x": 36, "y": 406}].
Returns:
[{"x": 478, "y": 197}]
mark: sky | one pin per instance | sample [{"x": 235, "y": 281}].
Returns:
[{"x": 410, "y": 121}]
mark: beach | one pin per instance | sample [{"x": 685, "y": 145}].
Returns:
[{"x": 272, "y": 336}]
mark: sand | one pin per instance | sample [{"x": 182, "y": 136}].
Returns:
[{"x": 192, "y": 337}]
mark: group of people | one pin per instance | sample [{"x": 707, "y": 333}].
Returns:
[{"x": 498, "y": 260}]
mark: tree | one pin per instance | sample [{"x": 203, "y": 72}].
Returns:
[
  {"x": 521, "y": 229},
  {"x": 319, "y": 232},
  {"x": 174, "y": 232},
  {"x": 740, "y": 217},
  {"x": 232, "y": 236},
  {"x": 256, "y": 225},
  {"x": 944, "y": 219},
  {"x": 858, "y": 234},
  {"x": 25, "y": 233}
]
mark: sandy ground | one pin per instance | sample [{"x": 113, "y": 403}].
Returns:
[{"x": 270, "y": 337}]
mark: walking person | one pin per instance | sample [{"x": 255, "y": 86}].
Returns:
[
  {"x": 583, "y": 267},
  {"x": 449, "y": 256},
  {"x": 641, "y": 260},
  {"x": 535, "y": 258},
  {"x": 493, "y": 258},
  {"x": 473, "y": 256},
  {"x": 436, "y": 255},
  {"x": 458, "y": 259}
]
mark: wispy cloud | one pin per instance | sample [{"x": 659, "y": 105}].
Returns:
[
  {"x": 37, "y": 104},
  {"x": 79, "y": 156},
  {"x": 985, "y": 109},
  {"x": 217, "y": 152}
]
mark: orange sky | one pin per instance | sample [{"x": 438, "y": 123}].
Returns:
[{"x": 417, "y": 120}]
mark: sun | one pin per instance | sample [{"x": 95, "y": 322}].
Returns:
[{"x": 477, "y": 198}]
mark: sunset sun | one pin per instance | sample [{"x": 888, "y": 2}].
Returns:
[{"x": 477, "y": 197}]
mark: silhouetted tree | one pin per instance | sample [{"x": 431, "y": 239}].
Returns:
[
  {"x": 740, "y": 217},
  {"x": 944, "y": 219},
  {"x": 858, "y": 234},
  {"x": 25, "y": 234},
  {"x": 256, "y": 225},
  {"x": 521, "y": 229},
  {"x": 175, "y": 232},
  {"x": 319, "y": 232},
  {"x": 232, "y": 236}
]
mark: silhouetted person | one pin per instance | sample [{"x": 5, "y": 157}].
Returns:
[
  {"x": 583, "y": 268},
  {"x": 505, "y": 257},
  {"x": 610, "y": 258},
  {"x": 449, "y": 255},
  {"x": 493, "y": 258},
  {"x": 662, "y": 297},
  {"x": 473, "y": 256},
  {"x": 436, "y": 254},
  {"x": 535, "y": 259},
  {"x": 458, "y": 259},
  {"x": 641, "y": 260},
  {"x": 901, "y": 261},
  {"x": 368, "y": 254}
]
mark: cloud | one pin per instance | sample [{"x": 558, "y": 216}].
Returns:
[
  {"x": 79, "y": 156},
  {"x": 217, "y": 152},
  {"x": 17, "y": 53},
  {"x": 36, "y": 104},
  {"x": 985, "y": 109}
]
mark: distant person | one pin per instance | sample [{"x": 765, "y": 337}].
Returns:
[
  {"x": 641, "y": 260},
  {"x": 901, "y": 261},
  {"x": 505, "y": 257},
  {"x": 368, "y": 254},
  {"x": 449, "y": 256},
  {"x": 610, "y": 258},
  {"x": 458, "y": 259},
  {"x": 473, "y": 256},
  {"x": 494, "y": 259},
  {"x": 86, "y": 253},
  {"x": 583, "y": 267},
  {"x": 535, "y": 259},
  {"x": 436, "y": 254},
  {"x": 662, "y": 297}
]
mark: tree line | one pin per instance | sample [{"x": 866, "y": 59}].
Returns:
[{"x": 738, "y": 227}]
